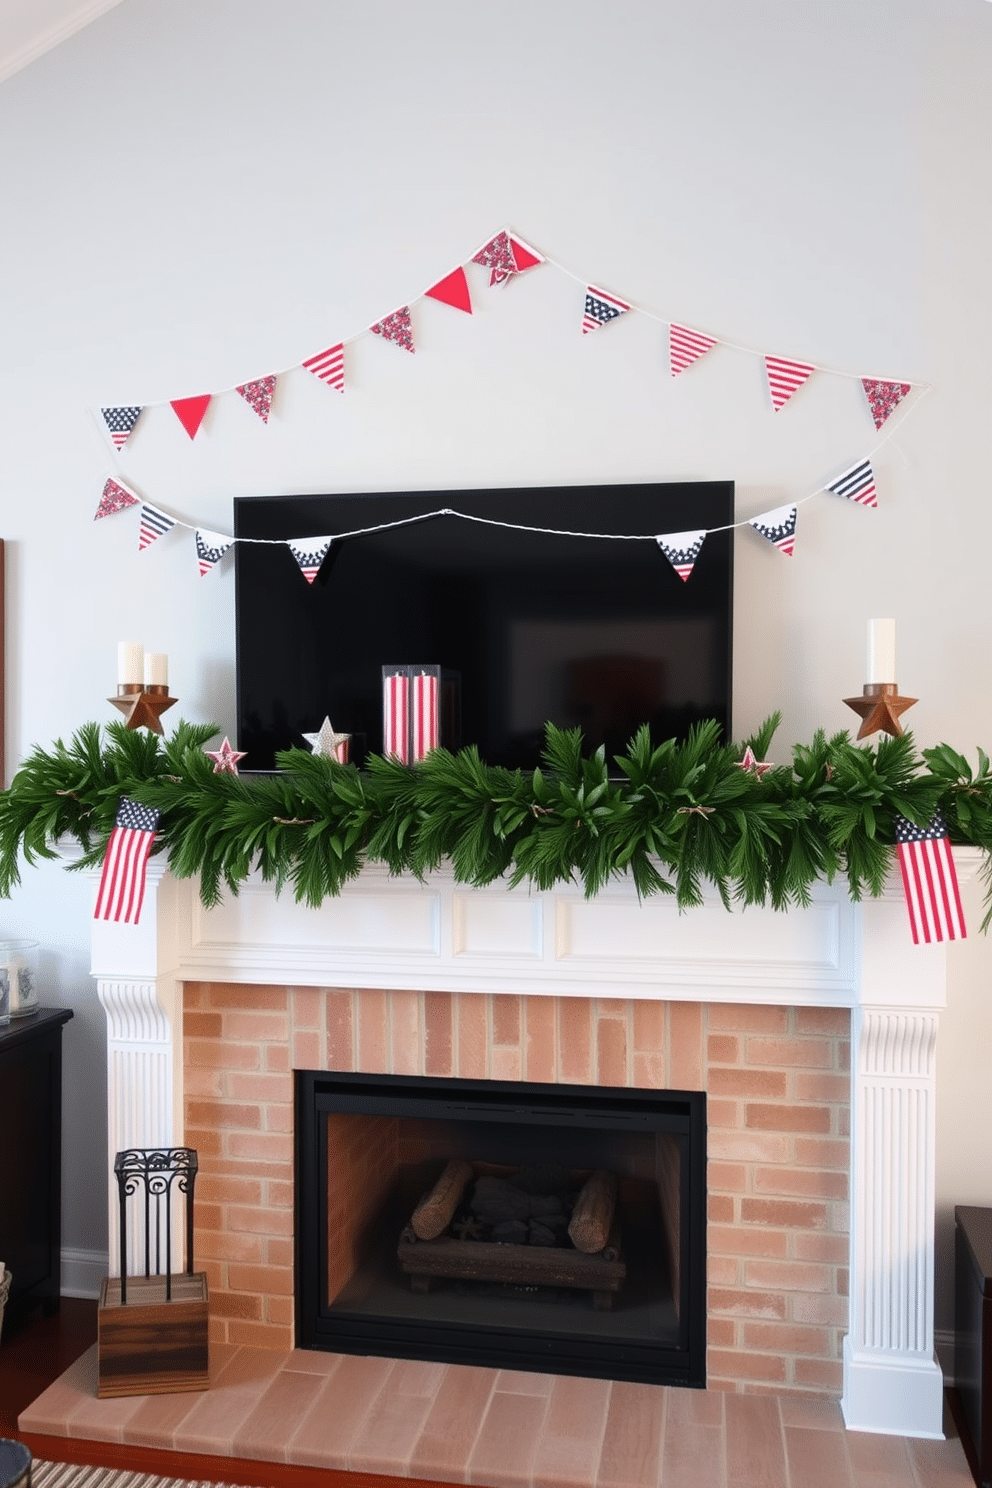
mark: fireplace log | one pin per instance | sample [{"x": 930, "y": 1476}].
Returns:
[
  {"x": 592, "y": 1217},
  {"x": 434, "y": 1213}
]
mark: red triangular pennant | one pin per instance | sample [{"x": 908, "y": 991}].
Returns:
[
  {"x": 258, "y": 395},
  {"x": 328, "y": 366},
  {"x": 190, "y": 411},
  {"x": 397, "y": 327},
  {"x": 524, "y": 257},
  {"x": 452, "y": 290},
  {"x": 114, "y": 498},
  {"x": 884, "y": 397},
  {"x": 504, "y": 256}
]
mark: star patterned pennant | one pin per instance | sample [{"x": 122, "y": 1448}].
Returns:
[
  {"x": 225, "y": 758},
  {"x": 857, "y": 483},
  {"x": 396, "y": 327},
  {"x": 210, "y": 549},
  {"x": 258, "y": 395},
  {"x": 779, "y": 526},
  {"x": 328, "y": 366},
  {"x": 328, "y": 744},
  {"x": 120, "y": 422},
  {"x": 884, "y": 397},
  {"x": 505, "y": 256},
  {"x": 784, "y": 378},
  {"x": 153, "y": 523},
  {"x": 190, "y": 411},
  {"x": 452, "y": 290},
  {"x": 310, "y": 553},
  {"x": 600, "y": 309},
  {"x": 685, "y": 347},
  {"x": 682, "y": 549},
  {"x": 115, "y": 497}
]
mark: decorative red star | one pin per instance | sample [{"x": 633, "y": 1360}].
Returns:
[
  {"x": 225, "y": 758},
  {"x": 753, "y": 765}
]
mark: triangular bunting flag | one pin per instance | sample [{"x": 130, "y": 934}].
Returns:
[
  {"x": 784, "y": 377},
  {"x": 681, "y": 549},
  {"x": 210, "y": 548},
  {"x": 120, "y": 422},
  {"x": 685, "y": 347},
  {"x": 328, "y": 366},
  {"x": 258, "y": 395},
  {"x": 884, "y": 397},
  {"x": 600, "y": 309},
  {"x": 310, "y": 554},
  {"x": 779, "y": 526},
  {"x": 396, "y": 327},
  {"x": 857, "y": 483},
  {"x": 114, "y": 498},
  {"x": 154, "y": 523},
  {"x": 452, "y": 290},
  {"x": 190, "y": 411},
  {"x": 504, "y": 256}
]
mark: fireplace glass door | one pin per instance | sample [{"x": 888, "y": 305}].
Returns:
[{"x": 543, "y": 1227}]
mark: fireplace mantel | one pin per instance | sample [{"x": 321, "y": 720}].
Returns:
[{"x": 398, "y": 933}]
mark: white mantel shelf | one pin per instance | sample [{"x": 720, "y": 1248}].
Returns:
[{"x": 386, "y": 932}]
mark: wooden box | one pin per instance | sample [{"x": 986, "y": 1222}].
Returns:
[{"x": 150, "y": 1346}]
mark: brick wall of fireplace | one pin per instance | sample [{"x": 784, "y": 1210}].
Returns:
[{"x": 778, "y": 1144}]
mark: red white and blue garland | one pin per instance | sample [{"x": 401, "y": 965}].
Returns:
[{"x": 505, "y": 256}]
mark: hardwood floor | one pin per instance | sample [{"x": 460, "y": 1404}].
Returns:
[{"x": 37, "y": 1350}]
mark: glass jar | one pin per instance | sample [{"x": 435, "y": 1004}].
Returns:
[{"x": 18, "y": 978}]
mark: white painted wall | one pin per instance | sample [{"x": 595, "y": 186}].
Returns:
[{"x": 195, "y": 195}]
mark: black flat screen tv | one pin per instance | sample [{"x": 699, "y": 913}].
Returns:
[{"x": 538, "y": 625}]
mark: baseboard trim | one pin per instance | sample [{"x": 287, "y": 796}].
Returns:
[
  {"x": 82, "y": 1272},
  {"x": 943, "y": 1342}
]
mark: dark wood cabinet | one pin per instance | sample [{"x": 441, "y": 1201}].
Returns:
[
  {"x": 973, "y": 1334},
  {"x": 31, "y": 1158}
]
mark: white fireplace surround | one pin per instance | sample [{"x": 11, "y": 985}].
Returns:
[{"x": 388, "y": 932}]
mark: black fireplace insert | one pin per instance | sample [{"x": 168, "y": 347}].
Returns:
[{"x": 554, "y": 1228}]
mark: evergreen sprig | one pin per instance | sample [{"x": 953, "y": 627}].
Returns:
[{"x": 680, "y": 817}]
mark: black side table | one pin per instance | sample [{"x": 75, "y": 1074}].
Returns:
[
  {"x": 31, "y": 1159},
  {"x": 973, "y": 1334}
]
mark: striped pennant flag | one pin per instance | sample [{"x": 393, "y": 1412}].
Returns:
[
  {"x": 328, "y": 366},
  {"x": 779, "y": 526},
  {"x": 115, "y": 497},
  {"x": 600, "y": 309},
  {"x": 397, "y": 327},
  {"x": 190, "y": 411},
  {"x": 310, "y": 555},
  {"x": 210, "y": 549},
  {"x": 685, "y": 347},
  {"x": 154, "y": 523},
  {"x": 857, "y": 483},
  {"x": 258, "y": 395},
  {"x": 929, "y": 881},
  {"x": 120, "y": 422},
  {"x": 681, "y": 549},
  {"x": 884, "y": 397},
  {"x": 784, "y": 378},
  {"x": 395, "y": 714},
  {"x": 122, "y": 880}
]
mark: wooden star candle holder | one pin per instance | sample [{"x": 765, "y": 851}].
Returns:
[
  {"x": 143, "y": 706},
  {"x": 879, "y": 707}
]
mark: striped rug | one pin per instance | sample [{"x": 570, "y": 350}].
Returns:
[{"x": 70, "y": 1475}]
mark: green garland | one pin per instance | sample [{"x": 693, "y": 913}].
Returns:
[{"x": 681, "y": 815}]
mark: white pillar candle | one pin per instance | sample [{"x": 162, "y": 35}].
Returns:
[
  {"x": 130, "y": 660},
  {"x": 156, "y": 669},
  {"x": 881, "y": 651}
]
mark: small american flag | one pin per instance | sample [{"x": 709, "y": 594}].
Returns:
[
  {"x": 122, "y": 882},
  {"x": 930, "y": 881},
  {"x": 600, "y": 309},
  {"x": 120, "y": 422}
]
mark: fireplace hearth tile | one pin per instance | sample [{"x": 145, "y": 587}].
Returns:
[
  {"x": 386, "y": 1439},
  {"x": 572, "y": 1434},
  {"x": 324, "y": 1436},
  {"x": 452, "y": 1424},
  {"x": 507, "y": 1444},
  {"x": 818, "y": 1459},
  {"x": 263, "y": 1434},
  {"x": 632, "y": 1440},
  {"x": 753, "y": 1442}
]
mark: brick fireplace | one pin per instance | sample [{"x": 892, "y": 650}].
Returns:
[{"x": 820, "y": 1171}]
